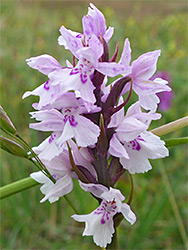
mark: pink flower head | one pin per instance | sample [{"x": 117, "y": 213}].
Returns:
[{"x": 99, "y": 223}]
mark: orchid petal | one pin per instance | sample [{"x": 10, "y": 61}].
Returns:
[
  {"x": 44, "y": 63},
  {"x": 145, "y": 66},
  {"x": 109, "y": 33},
  {"x": 95, "y": 189},
  {"x": 73, "y": 43},
  {"x": 60, "y": 188},
  {"x": 126, "y": 54},
  {"x": 111, "y": 68},
  {"x": 127, "y": 213},
  {"x": 116, "y": 148}
]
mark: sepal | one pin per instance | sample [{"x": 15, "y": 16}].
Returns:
[
  {"x": 12, "y": 147},
  {"x": 115, "y": 171},
  {"x": 113, "y": 96},
  {"x": 6, "y": 124}
]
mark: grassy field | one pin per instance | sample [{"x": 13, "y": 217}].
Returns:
[{"x": 30, "y": 28}]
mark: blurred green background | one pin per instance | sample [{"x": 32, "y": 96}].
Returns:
[{"x": 31, "y": 28}]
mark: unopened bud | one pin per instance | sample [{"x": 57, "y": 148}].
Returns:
[
  {"x": 102, "y": 144},
  {"x": 6, "y": 124},
  {"x": 12, "y": 147}
]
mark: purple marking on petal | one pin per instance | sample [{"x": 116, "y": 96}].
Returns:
[
  {"x": 46, "y": 85},
  {"x": 107, "y": 209},
  {"x": 83, "y": 78},
  {"x": 115, "y": 70},
  {"x": 135, "y": 145},
  {"x": 74, "y": 71},
  {"x": 103, "y": 221},
  {"x": 67, "y": 110},
  {"x": 140, "y": 138},
  {"x": 56, "y": 178},
  {"x": 107, "y": 215},
  {"x": 72, "y": 121},
  {"x": 79, "y": 36},
  {"x": 52, "y": 137},
  {"x": 73, "y": 43},
  {"x": 98, "y": 212},
  {"x": 65, "y": 118}
]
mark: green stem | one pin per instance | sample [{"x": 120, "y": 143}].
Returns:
[
  {"x": 132, "y": 189},
  {"x": 40, "y": 165},
  {"x": 17, "y": 187},
  {"x": 71, "y": 204},
  {"x": 35, "y": 156},
  {"x": 170, "y": 127},
  {"x": 31, "y": 150},
  {"x": 24, "y": 184},
  {"x": 174, "y": 204}
]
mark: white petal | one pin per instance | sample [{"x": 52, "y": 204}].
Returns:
[
  {"x": 154, "y": 146},
  {"x": 103, "y": 234},
  {"x": 39, "y": 177},
  {"x": 149, "y": 102},
  {"x": 109, "y": 33},
  {"x": 48, "y": 149},
  {"x": 44, "y": 63},
  {"x": 95, "y": 189},
  {"x": 62, "y": 187},
  {"x": 70, "y": 40},
  {"x": 138, "y": 161},
  {"x": 48, "y": 184},
  {"x": 126, "y": 54},
  {"x": 86, "y": 132},
  {"x": 127, "y": 213},
  {"x": 116, "y": 148},
  {"x": 68, "y": 133},
  {"x": 148, "y": 146},
  {"x": 118, "y": 116},
  {"x": 111, "y": 69},
  {"x": 129, "y": 129},
  {"x": 145, "y": 65},
  {"x": 96, "y": 46}
]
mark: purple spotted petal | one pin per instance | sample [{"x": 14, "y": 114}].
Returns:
[
  {"x": 73, "y": 43},
  {"x": 44, "y": 63}
]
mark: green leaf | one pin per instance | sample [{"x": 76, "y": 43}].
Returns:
[{"x": 176, "y": 141}]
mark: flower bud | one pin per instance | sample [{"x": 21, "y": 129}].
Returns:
[
  {"x": 5, "y": 123},
  {"x": 12, "y": 147}
]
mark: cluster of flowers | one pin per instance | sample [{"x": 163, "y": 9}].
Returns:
[{"x": 92, "y": 139}]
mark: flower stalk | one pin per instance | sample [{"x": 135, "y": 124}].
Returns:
[
  {"x": 171, "y": 127},
  {"x": 24, "y": 184},
  {"x": 17, "y": 187}
]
